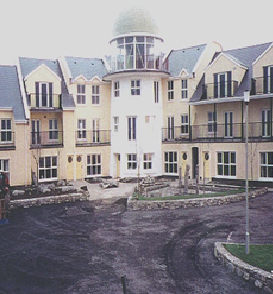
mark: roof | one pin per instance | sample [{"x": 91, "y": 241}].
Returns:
[
  {"x": 184, "y": 59},
  {"x": 135, "y": 19},
  {"x": 10, "y": 94},
  {"x": 87, "y": 67},
  {"x": 27, "y": 65}
]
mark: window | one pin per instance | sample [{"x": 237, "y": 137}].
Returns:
[
  {"x": 170, "y": 91},
  {"x": 184, "y": 89},
  {"x": 116, "y": 122},
  {"x": 5, "y": 167},
  {"x": 6, "y": 134},
  {"x": 226, "y": 165},
  {"x": 95, "y": 94},
  {"x": 268, "y": 79},
  {"x": 131, "y": 125},
  {"x": 81, "y": 98},
  {"x": 48, "y": 167},
  {"x": 116, "y": 89},
  {"x": 53, "y": 129},
  {"x": 135, "y": 87},
  {"x": 96, "y": 130},
  {"x": 228, "y": 124},
  {"x": 266, "y": 123},
  {"x": 170, "y": 162},
  {"x": 267, "y": 164},
  {"x": 93, "y": 164},
  {"x": 212, "y": 121},
  {"x": 44, "y": 94},
  {"x": 171, "y": 128},
  {"x": 35, "y": 132},
  {"x": 184, "y": 124},
  {"x": 222, "y": 84},
  {"x": 156, "y": 91},
  {"x": 81, "y": 129},
  {"x": 147, "y": 161},
  {"x": 132, "y": 161}
]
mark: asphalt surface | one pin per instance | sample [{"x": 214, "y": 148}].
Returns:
[{"x": 74, "y": 248}]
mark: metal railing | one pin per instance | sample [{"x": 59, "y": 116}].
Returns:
[
  {"x": 87, "y": 138},
  {"x": 261, "y": 85},
  {"x": 46, "y": 139},
  {"x": 7, "y": 139},
  {"x": 214, "y": 132},
  {"x": 219, "y": 90},
  {"x": 48, "y": 101}
]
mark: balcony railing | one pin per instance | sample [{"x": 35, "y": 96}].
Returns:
[
  {"x": 7, "y": 140},
  {"x": 214, "y": 132},
  {"x": 46, "y": 139},
  {"x": 38, "y": 101},
  {"x": 261, "y": 85},
  {"x": 129, "y": 62},
  {"x": 219, "y": 90},
  {"x": 90, "y": 138}
]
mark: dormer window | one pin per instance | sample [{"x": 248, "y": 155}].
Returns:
[
  {"x": 222, "y": 84},
  {"x": 44, "y": 94}
]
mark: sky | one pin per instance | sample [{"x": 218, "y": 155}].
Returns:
[{"x": 49, "y": 29}]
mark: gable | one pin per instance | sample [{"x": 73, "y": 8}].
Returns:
[{"x": 43, "y": 73}]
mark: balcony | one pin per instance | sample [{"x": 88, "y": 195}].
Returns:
[
  {"x": 7, "y": 140},
  {"x": 45, "y": 102},
  {"x": 261, "y": 85},
  {"x": 219, "y": 90},
  {"x": 214, "y": 132},
  {"x": 49, "y": 139},
  {"x": 92, "y": 138}
]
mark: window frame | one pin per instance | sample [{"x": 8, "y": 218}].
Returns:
[
  {"x": 266, "y": 167},
  {"x": 81, "y": 94},
  {"x": 48, "y": 168},
  {"x": 212, "y": 123},
  {"x": 184, "y": 89},
  {"x": 6, "y": 130},
  {"x": 184, "y": 124},
  {"x": 5, "y": 166},
  {"x": 170, "y": 162},
  {"x": 131, "y": 160},
  {"x": 156, "y": 91},
  {"x": 93, "y": 164},
  {"x": 135, "y": 87},
  {"x": 147, "y": 161},
  {"x": 81, "y": 129},
  {"x": 95, "y": 94},
  {"x": 116, "y": 89},
  {"x": 132, "y": 128},
  {"x": 116, "y": 123},
  {"x": 227, "y": 164},
  {"x": 170, "y": 90},
  {"x": 53, "y": 129}
]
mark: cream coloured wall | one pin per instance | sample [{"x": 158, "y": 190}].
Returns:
[{"x": 265, "y": 60}]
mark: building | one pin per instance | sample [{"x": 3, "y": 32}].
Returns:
[{"x": 138, "y": 112}]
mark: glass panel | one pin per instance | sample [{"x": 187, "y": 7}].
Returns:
[
  {"x": 47, "y": 162},
  {"x": 220, "y": 169},
  {"x": 233, "y": 170},
  {"x": 54, "y": 161},
  {"x": 233, "y": 157},
  {"x": 226, "y": 157},
  {"x": 270, "y": 157}
]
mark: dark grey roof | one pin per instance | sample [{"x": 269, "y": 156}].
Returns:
[
  {"x": 10, "y": 94},
  {"x": 27, "y": 65},
  {"x": 184, "y": 58},
  {"x": 87, "y": 67}
]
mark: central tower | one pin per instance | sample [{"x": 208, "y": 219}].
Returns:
[{"x": 136, "y": 100}]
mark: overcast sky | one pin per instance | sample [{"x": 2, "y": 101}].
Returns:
[{"x": 50, "y": 28}]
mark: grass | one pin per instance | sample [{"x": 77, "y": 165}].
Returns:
[
  {"x": 260, "y": 256},
  {"x": 207, "y": 195}
]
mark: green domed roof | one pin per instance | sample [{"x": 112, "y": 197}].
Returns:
[{"x": 135, "y": 20}]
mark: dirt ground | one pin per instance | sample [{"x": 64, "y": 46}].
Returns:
[{"x": 72, "y": 248}]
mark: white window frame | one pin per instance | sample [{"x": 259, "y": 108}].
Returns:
[
  {"x": 265, "y": 166},
  {"x": 40, "y": 93},
  {"x": 96, "y": 130},
  {"x": 116, "y": 89},
  {"x": 170, "y": 90},
  {"x": 228, "y": 124},
  {"x": 228, "y": 164},
  {"x": 171, "y": 128},
  {"x": 132, "y": 128},
  {"x": 6, "y": 131},
  {"x": 266, "y": 122},
  {"x": 93, "y": 164},
  {"x": 156, "y": 91},
  {"x": 212, "y": 122},
  {"x": 170, "y": 162},
  {"x": 81, "y": 94},
  {"x": 135, "y": 87},
  {"x": 81, "y": 130},
  {"x": 131, "y": 161},
  {"x": 5, "y": 167},
  {"x": 184, "y": 89},
  {"x": 184, "y": 124},
  {"x": 147, "y": 161},
  {"x": 218, "y": 82},
  {"x": 95, "y": 94},
  {"x": 116, "y": 123},
  {"x": 50, "y": 164},
  {"x": 53, "y": 129}
]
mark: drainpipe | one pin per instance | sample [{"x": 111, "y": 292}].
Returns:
[
  {"x": 242, "y": 120},
  {"x": 214, "y": 120}
]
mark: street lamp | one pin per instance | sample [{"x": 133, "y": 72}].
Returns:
[{"x": 246, "y": 100}]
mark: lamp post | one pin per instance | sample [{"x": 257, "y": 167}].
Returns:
[{"x": 246, "y": 100}]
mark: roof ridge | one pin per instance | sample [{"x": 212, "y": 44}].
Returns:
[
  {"x": 40, "y": 59},
  {"x": 248, "y": 46},
  {"x": 81, "y": 57},
  {"x": 190, "y": 47}
]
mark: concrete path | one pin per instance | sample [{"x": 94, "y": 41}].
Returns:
[{"x": 96, "y": 192}]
